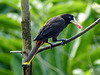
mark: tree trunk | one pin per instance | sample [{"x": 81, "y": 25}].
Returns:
[{"x": 26, "y": 35}]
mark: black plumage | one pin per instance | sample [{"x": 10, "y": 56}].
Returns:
[{"x": 53, "y": 27}]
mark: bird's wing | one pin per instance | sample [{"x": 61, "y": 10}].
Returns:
[
  {"x": 50, "y": 29},
  {"x": 45, "y": 33}
]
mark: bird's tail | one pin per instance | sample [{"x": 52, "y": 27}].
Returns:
[{"x": 33, "y": 52}]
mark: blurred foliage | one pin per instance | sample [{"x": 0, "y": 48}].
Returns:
[{"x": 79, "y": 57}]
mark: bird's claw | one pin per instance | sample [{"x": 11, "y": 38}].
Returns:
[
  {"x": 63, "y": 40},
  {"x": 51, "y": 46}
]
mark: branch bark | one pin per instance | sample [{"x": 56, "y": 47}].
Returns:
[
  {"x": 72, "y": 38},
  {"x": 26, "y": 35}
]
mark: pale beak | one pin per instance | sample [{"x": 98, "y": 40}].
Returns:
[{"x": 76, "y": 23}]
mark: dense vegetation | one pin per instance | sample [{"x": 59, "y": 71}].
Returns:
[{"x": 79, "y": 57}]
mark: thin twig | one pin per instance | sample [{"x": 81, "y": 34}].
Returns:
[
  {"x": 16, "y": 52},
  {"x": 72, "y": 38}
]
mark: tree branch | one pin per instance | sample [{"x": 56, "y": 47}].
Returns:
[{"x": 72, "y": 38}]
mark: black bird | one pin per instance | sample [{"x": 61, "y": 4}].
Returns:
[{"x": 51, "y": 29}]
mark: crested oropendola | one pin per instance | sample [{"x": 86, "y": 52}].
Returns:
[{"x": 51, "y": 28}]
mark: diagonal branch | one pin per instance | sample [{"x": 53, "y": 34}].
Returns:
[{"x": 72, "y": 38}]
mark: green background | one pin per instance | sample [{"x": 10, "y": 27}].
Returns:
[{"x": 79, "y": 57}]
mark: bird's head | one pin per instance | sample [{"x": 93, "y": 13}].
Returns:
[{"x": 71, "y": 19}]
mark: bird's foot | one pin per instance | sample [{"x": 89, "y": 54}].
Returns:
[
  {"x": 51, "y": 44},
  {"x": 63, "y": 40}
]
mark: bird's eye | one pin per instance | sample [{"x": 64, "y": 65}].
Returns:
[{"x": 69, "y": 17}]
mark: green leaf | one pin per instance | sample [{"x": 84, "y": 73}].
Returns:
[
  {"x": 12, "y": 3},
  {"x": 55, "y": 1},
  {"x": 87, "y": 72},
  {"x": 8, "y": 23},
  {"x": 8, "y": 45},
  {"x": 67, "y": 8},
  {"x": 5, "y": 59},
  {"x": 5, "y": 72},
  {"x": 16, "y": 64}
]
